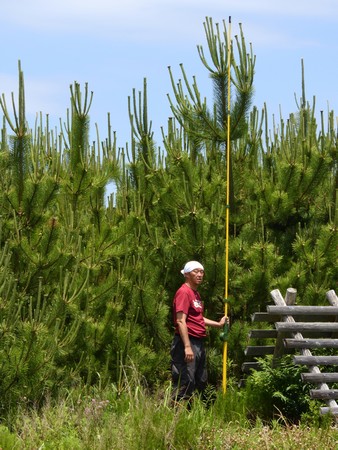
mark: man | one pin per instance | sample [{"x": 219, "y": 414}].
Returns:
[{"x": 188, "y": 359}]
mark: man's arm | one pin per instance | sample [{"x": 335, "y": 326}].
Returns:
[
  {"x": 213, "y": 323},
  {"x": 183, "y": 330}
]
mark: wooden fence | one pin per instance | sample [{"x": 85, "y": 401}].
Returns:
[{"x": 297, "y": 330}]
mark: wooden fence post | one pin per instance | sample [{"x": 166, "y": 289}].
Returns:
[{"x": 290, "y": 299}]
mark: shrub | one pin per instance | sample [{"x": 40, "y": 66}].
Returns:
[{"x": 277, "y": 391}]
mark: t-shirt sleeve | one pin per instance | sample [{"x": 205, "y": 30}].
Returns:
[{"x": 182, "y": 303}]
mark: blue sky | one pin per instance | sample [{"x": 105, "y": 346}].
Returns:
[{"x": 113, "y": 45}]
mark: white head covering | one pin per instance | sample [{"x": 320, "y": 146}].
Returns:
[{"x": 191, "y": 265}]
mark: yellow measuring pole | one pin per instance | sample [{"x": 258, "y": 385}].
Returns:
[{"x": 227, "y": 210}]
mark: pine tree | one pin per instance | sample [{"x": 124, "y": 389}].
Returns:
[
  {"x": 283, "y": 190},
  {"x": 86, "y": 287},
  {"x": 58, "y": 249}
]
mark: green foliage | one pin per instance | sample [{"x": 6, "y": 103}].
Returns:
[
  {"x": 83, "y": 418},
  {"x": 277, "y": 391},
  {"x": 86, "y": 283},
  {"x": 312, "y": 418},
  {"x": 8, "y": 440},
  {"x": 237, "y": 342}
]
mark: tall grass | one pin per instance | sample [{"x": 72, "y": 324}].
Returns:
[{"x": 129, "y": 417}]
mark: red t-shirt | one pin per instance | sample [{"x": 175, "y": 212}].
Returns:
[{"x": 189, "y": 302}]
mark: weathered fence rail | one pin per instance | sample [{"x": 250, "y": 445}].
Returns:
[{"x": 319, "y": 324}]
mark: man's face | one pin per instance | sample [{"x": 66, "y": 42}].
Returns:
[{"x": 195, "y": 277}]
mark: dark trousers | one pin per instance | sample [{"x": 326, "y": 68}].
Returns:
[{"x": 188, "y": 377}]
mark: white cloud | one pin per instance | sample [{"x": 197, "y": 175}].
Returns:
[
  {"x": 282, "y": 8},
  {"x": 73, "y": 15},
  {"x": 38, "y": 93},
  {"x": 176, "y": 25},
  {"x": 266, "y": 23},
  {"x": 145, "y": 18}
]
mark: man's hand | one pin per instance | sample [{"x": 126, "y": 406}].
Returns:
[
  {"x": 223, "y": 321},
  {"x": 189, "y": 354}
]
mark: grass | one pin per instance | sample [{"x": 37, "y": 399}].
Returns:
[{"x": 129, "y": 418}]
